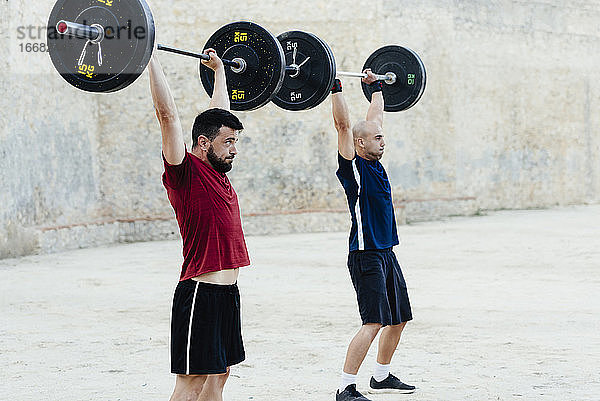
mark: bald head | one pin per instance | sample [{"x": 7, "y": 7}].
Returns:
[
  {"x": 368, "y": 140},
  {"x": 364, "y": 129}
]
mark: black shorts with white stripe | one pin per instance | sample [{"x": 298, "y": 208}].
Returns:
[
  {"x": 380, "y": 287},
  {"x": 206, "y": 334}
]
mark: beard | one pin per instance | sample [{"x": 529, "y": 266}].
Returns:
[{"x": 221, "y": 165}]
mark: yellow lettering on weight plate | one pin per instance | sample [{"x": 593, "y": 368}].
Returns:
[
  {"x": 87, "y": 70},
  {"x": 237, "y": 95},
  {"x": 240, "y": 37},
  {"x": 109, "y": 3}
]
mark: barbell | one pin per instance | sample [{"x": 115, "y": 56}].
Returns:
[
  {"x": 399, "y": 68},
  {"x": 296, "y": 69}
]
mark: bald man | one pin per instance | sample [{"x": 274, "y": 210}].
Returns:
[{"x": 375, "y": 272}]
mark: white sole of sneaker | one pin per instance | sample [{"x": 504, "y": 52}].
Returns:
[{"x": 389, "y": 391}]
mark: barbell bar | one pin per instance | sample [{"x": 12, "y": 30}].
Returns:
[
  {"x": 81, "y": 31},
  {"x": 258, "y": 63},
  {"x": 122, "y": 35},
  {"x": 389, "y": 77},
  {"x": 95, "y": 33}
]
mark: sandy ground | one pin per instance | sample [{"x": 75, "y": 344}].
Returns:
[{"x": 507, "y": 307}]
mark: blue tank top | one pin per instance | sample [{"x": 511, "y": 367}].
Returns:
[{"x": 369, "y": 196}]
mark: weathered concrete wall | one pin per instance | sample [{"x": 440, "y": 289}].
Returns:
[{"x": 508, "y": 120}]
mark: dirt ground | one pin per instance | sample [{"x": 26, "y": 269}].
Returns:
[{"x": 506, "y": 307}]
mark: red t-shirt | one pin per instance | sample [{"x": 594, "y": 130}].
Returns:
[{"x": 208, "y": 213}]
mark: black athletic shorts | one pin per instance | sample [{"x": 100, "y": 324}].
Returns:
[
  {"x": 206, "y": 334},
  {"x": 380, "y": 287}
]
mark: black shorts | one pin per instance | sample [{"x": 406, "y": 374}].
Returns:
[
  {"x": 206, "y": 334},
  {"x": 380, "y": 287}
]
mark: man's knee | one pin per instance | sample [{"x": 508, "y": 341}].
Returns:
[
  {"x": 372, "y": 326},
  {"x": 399, "y": 326},
  {"x": 371, "y": 329},
  {"x": 188, "y": 387},
  {"x": 395, "y": 329},
  {"x": 221, "y": 379},
  {"x": 197, "y": 382},
  {"x": 217, "y": 382}
]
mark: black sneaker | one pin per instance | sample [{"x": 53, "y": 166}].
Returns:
[
  {"x": 390, "y": 384},
  {"x": 350, "y": 394}
]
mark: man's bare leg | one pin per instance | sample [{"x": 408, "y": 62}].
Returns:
[
  {"x": 388, "y": 342},
  {"x": 359, "y": 346},
  {"x": 383, "y": 381},
  {"x": 213, "y": 388},
  {"x": 188, "y": 388}
]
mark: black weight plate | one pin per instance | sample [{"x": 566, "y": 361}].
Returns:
[
  {"x": 126, "y": 47},
  {"x": 265, "y": 66},
  {"x": 410, "y": 76},
  {"x": 333, "y": 68},
  {"x": 312, "y": 84}
]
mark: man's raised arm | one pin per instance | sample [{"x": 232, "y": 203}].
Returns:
[
  {"x": 375, "y": 112},
  {"x": 341, "y": 120},
  {"x": 220, "y": 96},
  {"x": 173, "y": 146}
]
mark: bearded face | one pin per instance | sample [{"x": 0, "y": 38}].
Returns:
[
  {"x": 222, "y": 150},
  {"x": 222, "y": 164}
]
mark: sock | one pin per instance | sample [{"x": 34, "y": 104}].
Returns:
[
  {"x": 347, "y": 379},
  {"x": 381, "y": 371}
]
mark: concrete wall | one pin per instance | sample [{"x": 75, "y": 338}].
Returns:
[{"x": 508, "y": 120}]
